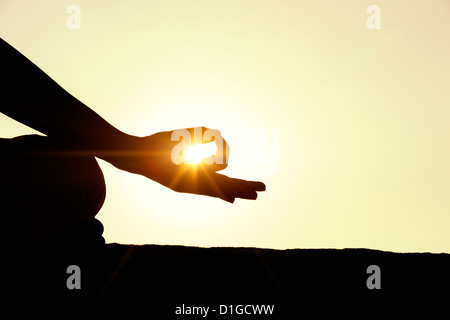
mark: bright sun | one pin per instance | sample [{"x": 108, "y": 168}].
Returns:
[{"x": 197, "y": 152}]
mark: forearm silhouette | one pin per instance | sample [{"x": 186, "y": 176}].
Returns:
[{"x": 31, "y": 97}]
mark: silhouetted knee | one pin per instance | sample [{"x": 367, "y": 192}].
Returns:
[{"x": 45, "y": 189}]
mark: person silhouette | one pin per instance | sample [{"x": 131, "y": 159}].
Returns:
[{"x": 51, "y": 185}]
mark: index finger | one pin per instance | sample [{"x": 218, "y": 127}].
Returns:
[{"x": 220, "y": 160}]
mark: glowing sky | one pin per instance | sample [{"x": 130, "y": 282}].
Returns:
[{"x": 348, "y": 127}]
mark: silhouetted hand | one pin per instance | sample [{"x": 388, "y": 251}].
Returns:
[{"x": 152, "y": 157}]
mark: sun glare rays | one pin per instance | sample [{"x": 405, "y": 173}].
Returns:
[{"x": 197, "y": 152}]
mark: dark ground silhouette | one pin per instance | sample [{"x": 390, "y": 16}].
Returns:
[{"x": 156, "y": 279}]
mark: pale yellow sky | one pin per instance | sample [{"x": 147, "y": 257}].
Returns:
[{"x": 359, "y": 118}]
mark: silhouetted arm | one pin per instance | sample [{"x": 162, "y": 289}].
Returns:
[{"x": 31, "y": 97}]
